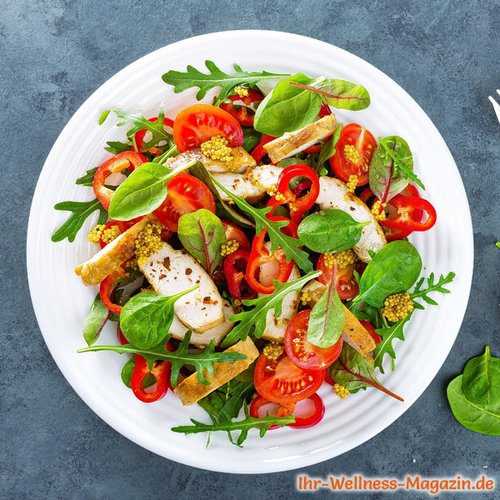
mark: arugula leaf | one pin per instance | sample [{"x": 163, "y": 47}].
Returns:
[
  {"x": 87, "y": 179},
  {"x": 116, "y": 147},
  {"x": 143, "y": 191},
  {"x": 386, "y": 180},
  {"x": 484, "y": 419},
  {"x": 287, "y": 108},
  {"x": 254, "y": 320},
  {"x": 291, "y": 246},
  {"x": 354, "y": 372},
  {"x": 81, "y": 210},
  {"x": 199, "y": 171},
  {"x": 146, "y": 318},
  {"x": 339, "y": 93},
  {"x": 388, "y": 334},
  {"x": 418, "y": 292},
  {"x": 215, "y": 78},
  {"x": 481, "y": 379},
  {"x": 393, "y": 269},
  {"x": 126, "y": 373},
  {"x": 243, "y": 426},
  {"x": 365, "y": 311},
  {"x": 327, "y": 151},
  {"x": 401, "y": 161},
  {"x": 94, "y": 321},
  {"x": 327, "y": 318},
  {"x": 202, "y": 234},
  {"x": 202, "y": 361},
  {"x": 330, "y": 230},
  {"x": 159, "y": 136}
]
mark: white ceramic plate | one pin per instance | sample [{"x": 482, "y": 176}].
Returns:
[{"x": 61, "y": 301}]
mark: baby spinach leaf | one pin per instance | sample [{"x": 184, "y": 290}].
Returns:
[
  {"x": 143, "y": 191},
  {"x": 146, "y": 318},
  {"x": 290, "y": 246},
  {"x": 484, "y": 419},
  {"x": 202, "y": 234},
  {"x": 327, "y": 151},
  {"x": 354, "y": 372},
  {"x": 327, "y": 318},
  {"x": 250, "y": 138},
  {"x": 87, "y": 179},
  {"x": 215, "y": 78},
  {"x": 199, "y": 171},
  {"x": 287, "y": 108},
  {"x": 126, "y": 373},
  {"x": 338, "y": 93},
  {"x": 388, "y": 334},
  {"x": 393, "y": 269},
  {"x": 202, "y": 361},
  {"x": 330, "y": 230},
  {"x": 80, "y": 211},
  {"x": 254, "y": 320},
  {"x": 386, "y": 179},
  {"x": 481, "y": 379},
  {"x": 95, "y": 321}
]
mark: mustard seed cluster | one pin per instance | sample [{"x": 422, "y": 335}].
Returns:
[
  {"x": 148, "y": 242},
  {"x": 229, "y": 247},
  {"x": 342, "y": 259},
  {"x": 216, "y": 148},
  {"x": 273, "y": 350},
  {"x": 341, "y": 391},
  {"x": 378, "y": 210},
  {"x": 351, "y": 154},
  {"x": 398, "y": 306},
  {"x": 352, "y": 183},
  {"x": 241, "y": 91},
  {"x": 95, "y": 235}
]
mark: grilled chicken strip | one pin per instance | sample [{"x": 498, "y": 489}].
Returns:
[
  {"x": 171, "y": 271},
  {"x": 292, "y": 143},
  {"x": 333, "y": 194}
]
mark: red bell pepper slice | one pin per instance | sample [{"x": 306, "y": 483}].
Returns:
[
  {"x": 408, "y": 213},
  {"x": 161, "y": 373},
  {"x": 139, "y": 135},
  {"x": 118, "y": 163},
  {"x": 260, "y": 256},
  {"x": 242, "y": 113},
  {"x": 371, "y": 330},
  {"x": 258, "y": 151},
  {"x": 107, "y": 288},
  {"x": 235, "y": 265},
  {"x": 258, "y": 410}
]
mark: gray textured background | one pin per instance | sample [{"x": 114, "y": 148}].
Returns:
[{"x": 55, "y": 53}]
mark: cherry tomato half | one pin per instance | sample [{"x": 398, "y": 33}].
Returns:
[
  {"x": 354, "y": 151},
  {"x": 186, "y": 194},
  {"x": 198, "y": 123},
  {"x": 301, "y": 352},
  {"x": 347, "y": 286},
  {"x": 280, "y": 381}
]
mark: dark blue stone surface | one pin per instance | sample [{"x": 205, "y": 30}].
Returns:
[{"x": 55, "y": 53}]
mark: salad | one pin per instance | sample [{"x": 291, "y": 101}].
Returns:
[{"x": 252, "y": 249}]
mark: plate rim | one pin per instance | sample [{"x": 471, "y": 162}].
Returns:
[{"x": 281, "y": 465}]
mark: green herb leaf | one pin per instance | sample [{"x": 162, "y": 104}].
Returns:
[
  {"x": 199, "y": 171},
  {"x": 116, "y": 147},
  {"x": 327, "y": 318},
  {"x": 418, "y": 292},
  {"x": 339, "y": 93},
  {"x": 202, "y": 234},
  {"x": 146, "y": 318},
  {"x": 290, "y": 246},
  {"x": 327, "y": 151},
  {"x": 127, "y": 371},
  {"x": 235, "y": 394},
  {"x": 481, "y": 379},
  {"x": 388, "y": 334},
  {"x": 241, "y": 426},
  {"x": 215, "y": 78},
  {"x": 254, "y": 320},
  {"x": 386, "y": 179},
  {"x": 95, "y": 321},
  {"x": 81, "y": 210},
  {"x": 87, "y": 179},
  {"x": 202, "y": 361},
  {"x": 143, "y": 191},
  {"x": 365, "y": 311},
  {"x": 403, "y": 164},
  {"x": 484, "y": 419},
  {"x": 354, "y": 372},
  {"x": 250, "y": 138},
  {"x": 159, "y": 136},
  {"x": 330, "y": 230},
  {"x": 393, "y": 269},
  {"x": 287, "y": 108}
]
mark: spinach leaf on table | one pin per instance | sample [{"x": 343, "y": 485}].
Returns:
[
  {"x": 330, "y": 230},
  {"x": 287, "y": 108},
  {"x": 481, "y": 379},
  {"x": 393, "y": 269}
]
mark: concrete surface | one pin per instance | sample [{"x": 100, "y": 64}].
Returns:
[{"x": 55, "y": 53}]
